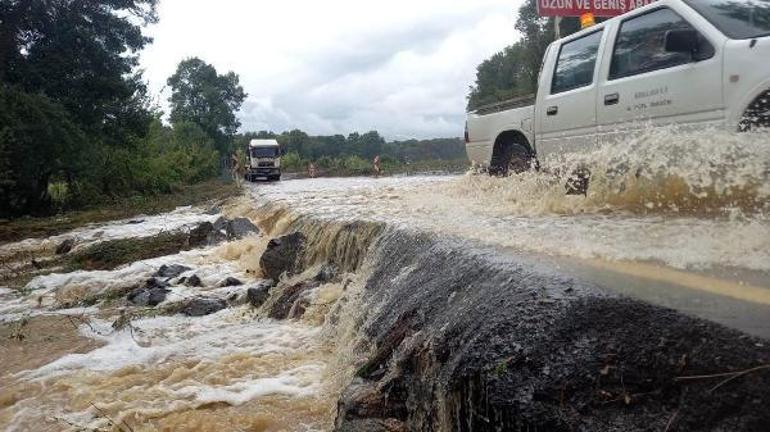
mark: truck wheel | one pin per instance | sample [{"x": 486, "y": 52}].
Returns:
[{"x": 510, "y": 158}]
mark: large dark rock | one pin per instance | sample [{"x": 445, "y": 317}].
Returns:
[
  {"x": 282, "y": 255},
  {"x": 201, "y": 306},
  {"x": 239, "y": 228},
  {"x": 65, "y": 246},
  {"x": 259, "y": 294},
  {"x": 151, "y": 294},
  {"x": 171, "y": 271}
]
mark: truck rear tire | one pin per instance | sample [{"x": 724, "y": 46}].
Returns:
[{"x": 510, "y": 157}]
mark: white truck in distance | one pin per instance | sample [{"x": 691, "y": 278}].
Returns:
[
  {"x": 694, "y": 63},
  {"x": 264, "y": 160}
]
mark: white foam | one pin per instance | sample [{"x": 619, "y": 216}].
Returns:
[
  {"x": 531, "y": 213},
  {"x": 298, "y": 382},
  {"x": 144, "y": 226},
  {"x": 156, "y": 340}
]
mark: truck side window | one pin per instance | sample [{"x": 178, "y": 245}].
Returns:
[
  {"x": 575, "y": 65},
  {"x": 641, "y": 44}
]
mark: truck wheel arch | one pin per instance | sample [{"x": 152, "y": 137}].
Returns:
[
  {"x": 756, "y": 114},
  {"x": 505, "y": 142}
]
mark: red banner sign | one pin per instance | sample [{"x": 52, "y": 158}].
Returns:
[{"x": 600, "y": 8}]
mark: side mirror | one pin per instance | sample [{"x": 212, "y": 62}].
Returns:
[{"x": 682, "y": 41}]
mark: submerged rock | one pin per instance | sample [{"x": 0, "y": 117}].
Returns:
[
  {"x": 210, "y": 234},
  {"x": 171, "y": 271},
  {"x": 199, "y": 236},
  {"x": 239, "y": 228},
  {"x": 193, "y": 281},
  {"x": 230, "y": 281},
  {"x": 290, "y": 304},
  {"x": 326, "y": 274},
  {"x": 259, "y": 294},
  {"x": 282, "y": 255},
  {"x": 201, "y": 306},
  {"x": 152, "y": 294},
  {"x": 65, "y": 246}
]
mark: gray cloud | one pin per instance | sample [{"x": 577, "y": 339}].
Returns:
[{"x": 403, "y": 70}]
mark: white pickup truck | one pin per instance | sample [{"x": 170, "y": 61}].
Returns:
[{"x": 695, "y": 63}]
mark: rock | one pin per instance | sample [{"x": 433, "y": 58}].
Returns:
[
  {"x": 193, "y": 281},
  {"x": 199, "y": 235},
  {"x": 213, "y": 210},
  {"x": 259, "y": 294},
  {"x": 65, "y": 246},
  {"x": 201, "y": 306},
  {"x": 135, "y": 222},
  {"x": 155, "y": 283},
  {"x": 220, "y": 224},
  {"x": 327, "y": 273},
  {"x": 209, "y": 234},
  {"x": 171, "y": 271},
  {"x": 282, "y": 255},
  {"x": 239, "y": 228},
  {"x": 290, "y": 303},
  {"x": 364, "y": 407},
  {"x": 152, "y": 294},
  {"x": 230, "y": 281}
]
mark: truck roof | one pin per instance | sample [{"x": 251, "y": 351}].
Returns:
[{"x": 263, "y": 143}]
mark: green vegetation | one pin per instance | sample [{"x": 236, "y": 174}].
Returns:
[
  {"x": 514, "y": 71},
  {"x": 112, "y": 254},
  {"x": 78, "y": 128},
  {"x": 76, "y": 123},
  {"x": 118, "y": 208}
]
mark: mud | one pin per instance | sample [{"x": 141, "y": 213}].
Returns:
[{"x": 367, "y": 324}]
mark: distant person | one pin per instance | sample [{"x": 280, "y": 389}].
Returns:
[
  {"x": 235, "y": 169},
  {"x": 311, "y": 170},
  {"x": 376, "y": 166}
]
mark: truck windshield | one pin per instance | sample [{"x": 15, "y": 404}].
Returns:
[
  {"x": 264, "y": 152},
  {"x": 738, "y": 19}
]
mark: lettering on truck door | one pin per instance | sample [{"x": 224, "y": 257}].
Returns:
[
  {"x": 566, "y": 111},
  {"x": 646, "y": 85}
]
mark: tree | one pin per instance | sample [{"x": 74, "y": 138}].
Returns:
[
  {"x": 201, "y": 96},
  {"x": 501, "y": 77},
  {"x": 38, "y": 141},
  {"x": 515, "y": 70},
  {"x": 81, "y": 55}
]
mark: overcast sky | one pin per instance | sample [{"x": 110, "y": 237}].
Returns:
[{"x": 402, "y": 67}]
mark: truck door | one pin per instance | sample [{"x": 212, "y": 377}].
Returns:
[
  {"x": 566, "y": 110},
  {"x": 647, "y": 85}
]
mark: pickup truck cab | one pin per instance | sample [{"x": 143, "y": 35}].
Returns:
[{"x": 694, "y": 63}]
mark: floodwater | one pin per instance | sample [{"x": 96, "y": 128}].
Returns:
[{"x": 661, "y": 218}]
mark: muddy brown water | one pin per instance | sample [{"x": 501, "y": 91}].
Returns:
[{"x": 698, "y": 242}]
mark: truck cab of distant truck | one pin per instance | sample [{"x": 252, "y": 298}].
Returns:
[
  {"x": 692, "y": 63},
  {"x": 264, "y": 160}
]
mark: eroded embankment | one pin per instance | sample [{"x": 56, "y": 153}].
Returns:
[{"x": 450, "y": 336}]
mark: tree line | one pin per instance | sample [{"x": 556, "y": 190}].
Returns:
[
  {"x": 353, "y": 154},
  {"x": 514, "y": 70},
  {"x": 78, "y": 125}
]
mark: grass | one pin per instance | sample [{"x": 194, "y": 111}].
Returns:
[
  {"x": 112, "y": 254},
  {"x": 27, "y": 227}
]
